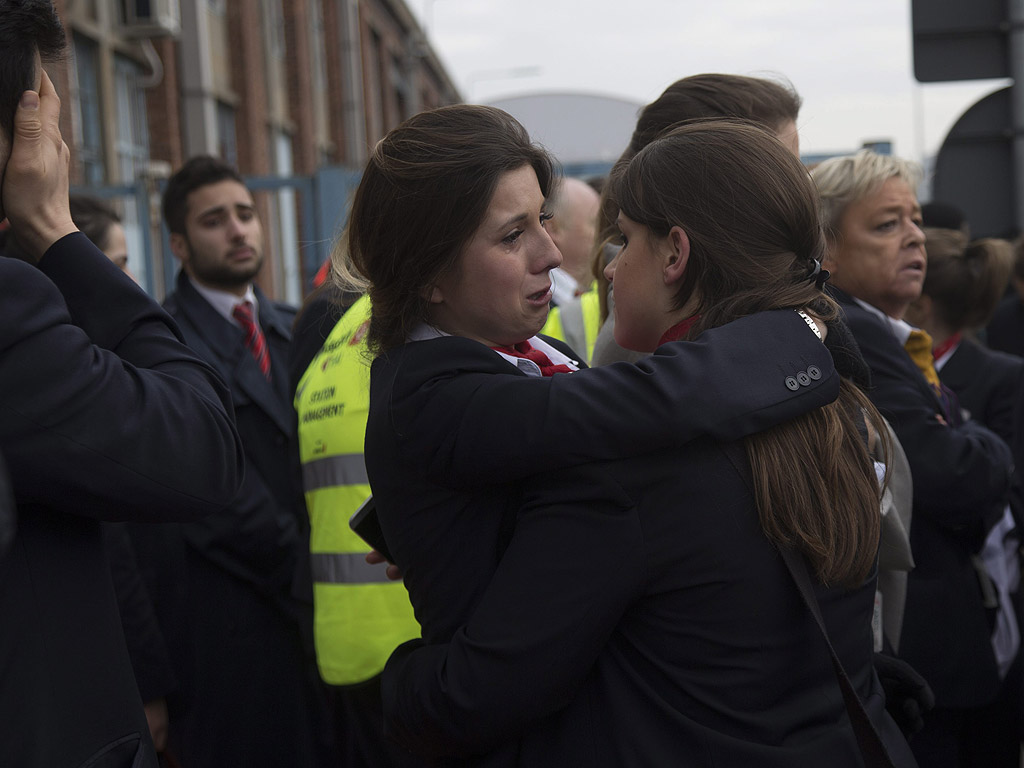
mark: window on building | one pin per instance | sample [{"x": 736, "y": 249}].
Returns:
[
  {"x": 227, "y": 143},
  {"x": 132, "y": 137},
  {"x": 132, "y": 144},
  {"x": 88, "y": 9},
  {"x": 318, "y": 56},
  {"x": 273, "y": 14},
  {"x": 375, "y": 108},
  {"x": 283, "y": 212},
  {"x": 87, "y": 108},
  {"x": 403, "y": 88}
]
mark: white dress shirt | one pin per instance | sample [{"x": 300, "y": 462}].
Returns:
[
  {"x": 423, "y": 332},
  {"x": 225, "y": 301}
]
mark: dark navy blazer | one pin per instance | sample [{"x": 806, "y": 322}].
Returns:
[
  {"x": 452, "y": 428},
  {"x": 986, "y": 383},
  {"x": 960, "y": 475},
  {"x": 237, "y": 608},
  {"x": 104, "y": 414}
]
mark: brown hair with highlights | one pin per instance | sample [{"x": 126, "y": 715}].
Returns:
[
  {"x": 965, "y": 280},
  {"x": 750, "y": 212},
  {"x": 423, "y": 195},
  {"x": 766, "y": 103}
]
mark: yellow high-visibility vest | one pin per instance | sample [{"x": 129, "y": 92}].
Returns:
[
  {"x": 359, "y": 615},
  {"x": 577, "y": 323}
]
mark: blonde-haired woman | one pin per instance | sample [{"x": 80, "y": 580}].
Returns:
[{"x": 961, "y": 471}]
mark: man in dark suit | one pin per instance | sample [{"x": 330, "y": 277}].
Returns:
[
  {"x": 246, "y": 627},
  {"x": 104, "y": 415},
  {"x": 986, "y": 383},
  {"x": 1005, "y": 331},
  {"x": 959, "y": 473}
]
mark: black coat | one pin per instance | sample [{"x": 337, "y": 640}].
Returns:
[
  {"x": 452, "y": 426},
  {"x": 640, "y": 617},
  {"x": 226, "y": 587},
  {"x": 986, "y": 382},
  {"x": 259, "y": 539},
  {"x": 8, "y": 510},
  {"x": 147, "y": 649},
  {"x": 104, "y": 414},
  {"x": 960, "y": 476},
  {"x": 1005, "y": 331}
]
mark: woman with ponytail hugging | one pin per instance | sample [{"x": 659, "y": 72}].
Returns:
[{"x": 630, "y": 605}]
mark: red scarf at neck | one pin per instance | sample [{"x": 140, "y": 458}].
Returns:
[
  {"x": 941, "y": 349},
  {"x": 678, "y": 330},
  {"x": 526, "y": 350}
]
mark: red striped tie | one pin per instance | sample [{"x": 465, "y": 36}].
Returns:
[{"x": 254, "y": 338}]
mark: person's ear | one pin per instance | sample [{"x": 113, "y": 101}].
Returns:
[
  {"x": 678, "y": 255},
  {"x": 432, "y": 294},
  {"x": 179, "y": 247}
]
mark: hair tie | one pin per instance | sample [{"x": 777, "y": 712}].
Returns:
[{"x": 818, "y": 276}]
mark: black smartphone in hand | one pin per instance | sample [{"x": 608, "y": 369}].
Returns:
[{"x": 366, "y": 525}]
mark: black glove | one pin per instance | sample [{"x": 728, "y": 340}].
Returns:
[
  {"x": 846, "y": 354},
  {"x": 907, "y": 695},
  {"x": 8, "y": 510}
]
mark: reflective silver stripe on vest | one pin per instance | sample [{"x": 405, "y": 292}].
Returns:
[
  {"x": 350, "y": 568},
  {"x": 343, "y": 469}
]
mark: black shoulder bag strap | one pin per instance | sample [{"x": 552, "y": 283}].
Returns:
[{"x": 871, "y": 747}]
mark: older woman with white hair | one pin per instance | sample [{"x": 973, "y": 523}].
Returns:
[{"x": 961, "y": 471}]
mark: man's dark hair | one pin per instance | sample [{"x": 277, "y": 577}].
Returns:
[
  {"x": 199, "y": 171},
  {"x": 942, "y": 215},
  {"x": 94, "y": 218},
  {"x": 26, "y": 26},
  {"x": 769, "y": 103},
  {"x": 710, "y": 96}
]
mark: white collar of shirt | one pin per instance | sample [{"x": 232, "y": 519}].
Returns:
[
  {"x": 941, "y": 361},
  {"x": 900, "y": 328},
  {"x": 224, "y": 302},
  {"x": 563, "y": 287},
  {"x": 424, "y": 332}
]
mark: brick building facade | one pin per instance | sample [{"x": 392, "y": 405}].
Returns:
[{"x": 280, "y": 88}]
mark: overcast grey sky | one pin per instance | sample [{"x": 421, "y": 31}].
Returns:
[{"x": 850, "y": 61}]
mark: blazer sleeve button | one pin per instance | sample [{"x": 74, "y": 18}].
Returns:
[
  {"x": 814, "y": 372},
  {"x": 792, "y": 383},
  {"x": 803, "y": 379}
]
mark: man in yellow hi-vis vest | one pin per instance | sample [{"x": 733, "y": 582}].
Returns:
[
  {"x": 576, "y": 322},
  {"x": 359, "y": 615},
  {"x": 575, "y": 312}
]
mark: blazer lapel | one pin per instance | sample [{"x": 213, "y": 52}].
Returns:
[
  {"x": 271, "y": 396},
  {"x": 958, "y": 369},
  {"x": 226, "y": 342},
  {"x": 913, "y": 372}
]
